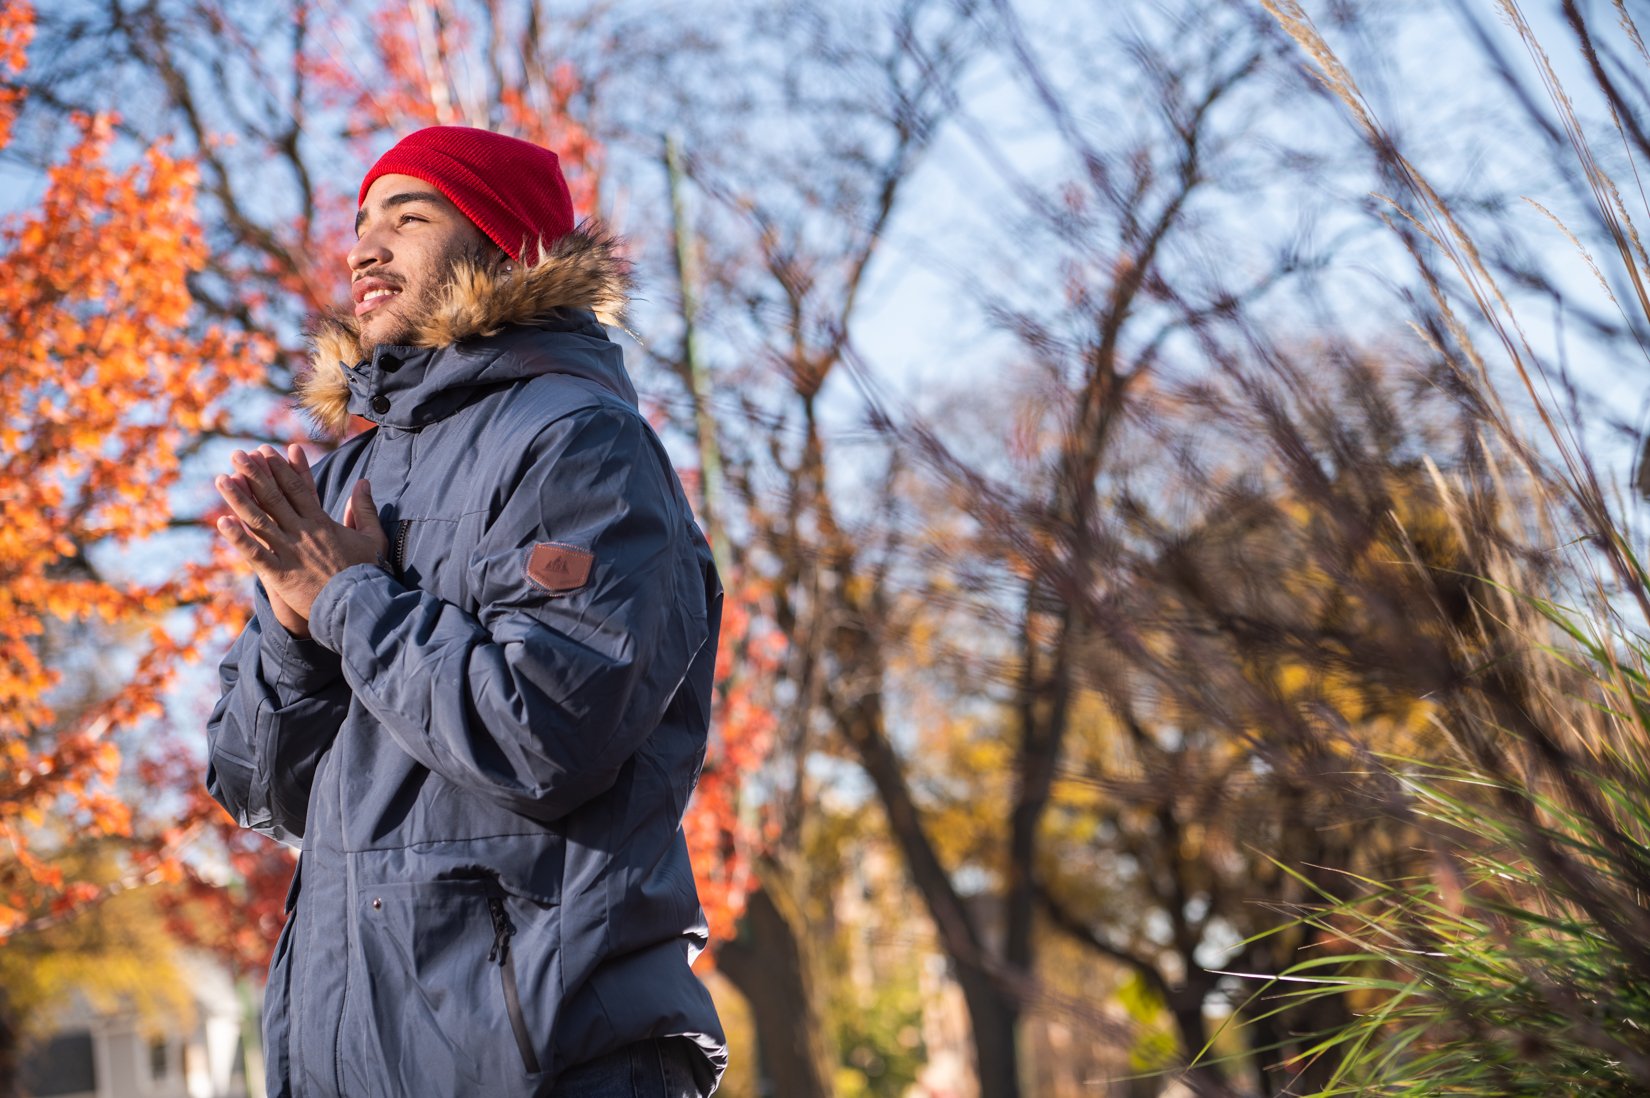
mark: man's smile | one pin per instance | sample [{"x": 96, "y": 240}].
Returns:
[{"x": 369, "y": 293}]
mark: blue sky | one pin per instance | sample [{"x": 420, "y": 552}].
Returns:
[{"x": 926, "y": 339}]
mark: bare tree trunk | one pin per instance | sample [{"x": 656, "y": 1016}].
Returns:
[
  {"x": 993, "y": 1006},
  {"x": 994, "y": 1016},
  {"x": 1186, "y": 1005},
  {"x": 768, "y": 963},
  {"x": 9, "y": 1082}
]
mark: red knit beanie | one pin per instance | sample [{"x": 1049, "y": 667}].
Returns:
[{"x": 512, "y": 189}]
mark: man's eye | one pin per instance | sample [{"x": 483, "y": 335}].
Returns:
[{"x": 404, "y": 218}]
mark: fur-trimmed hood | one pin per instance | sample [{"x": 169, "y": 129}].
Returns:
[{"x": 581, "y": 274}]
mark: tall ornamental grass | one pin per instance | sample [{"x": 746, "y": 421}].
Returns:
[{"x": 1518, "y": 960}]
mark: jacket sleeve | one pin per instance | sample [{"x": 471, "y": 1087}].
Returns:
[
  {"x": 283, "y": 699},
  {"x": 537, "y": 699}
]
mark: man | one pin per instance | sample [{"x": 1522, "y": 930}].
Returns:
[{"x": 475, "y": 690}]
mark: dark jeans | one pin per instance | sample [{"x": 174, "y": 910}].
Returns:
[{"x": 646, "y": 1069}]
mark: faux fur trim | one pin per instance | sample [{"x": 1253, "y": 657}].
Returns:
[{"x": 582, "y": 270}]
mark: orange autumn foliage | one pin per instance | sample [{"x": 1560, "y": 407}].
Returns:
[
  {"x": 423, "y": 44},
  {"x": 108, "y": 384},
  {"x": 16, "y": 32},
  {"x": 111, "y": 379},
  {"x": 722, "y": 823}
]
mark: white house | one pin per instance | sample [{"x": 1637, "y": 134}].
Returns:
[{"x": 99, "y": 1055}]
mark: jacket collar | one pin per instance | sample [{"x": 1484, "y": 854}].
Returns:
[{"x": 487, "y": 329}]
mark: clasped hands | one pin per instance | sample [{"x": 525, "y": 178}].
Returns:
[{"x": 280, "y": 527}]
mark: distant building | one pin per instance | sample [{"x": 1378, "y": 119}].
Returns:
[{"x": 99, "y": 1055}]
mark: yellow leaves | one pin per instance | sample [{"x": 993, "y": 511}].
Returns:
[
  {"x": 1154, "y": 1044},
  {"x": 1301, "y": 684},
  {"x": 1293, "y": 678},
  {"x": 985, "y": 754},
  {"x": 1077, "y": 796},
  {"x": 119, "y": 954}
]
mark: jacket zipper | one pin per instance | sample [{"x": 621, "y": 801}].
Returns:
[
  {"x": 349, "y": 940},
  {"x": 502, "y": 930},
  {"x": 398, "y": 553}
]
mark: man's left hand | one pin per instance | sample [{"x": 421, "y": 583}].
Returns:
[{"x": 281, "y": 528}]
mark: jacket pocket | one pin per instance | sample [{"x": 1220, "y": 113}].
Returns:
[{"x": 442, "y": 1009}]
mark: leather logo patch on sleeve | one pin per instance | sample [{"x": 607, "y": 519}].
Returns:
[{"x": 557, "y": 567}]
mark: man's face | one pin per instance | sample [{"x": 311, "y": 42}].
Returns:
[{"x": 408, "y": 237}]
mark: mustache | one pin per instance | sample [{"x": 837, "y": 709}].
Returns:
[
  {"x": 485, "y": 256},
  {"x": 475, "y": 255}
]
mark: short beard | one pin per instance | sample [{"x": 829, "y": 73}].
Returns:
[{"x": 486, "y": 256}]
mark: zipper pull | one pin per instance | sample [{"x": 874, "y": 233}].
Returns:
[
  {"x": 398, "y": 547},
  {"x": 502, "y": 930}
]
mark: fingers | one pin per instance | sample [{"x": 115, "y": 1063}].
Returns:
[
  {"x": 299, "y": 460},
  {"x": 266, "y": 492},
  {"x": 361, "y": 513},
  {"x": 349, "y": 506},
  {"x": 240, "y": 539},
  {"x": 249, "y": 514},
  {"x": 298, "y": 488}
]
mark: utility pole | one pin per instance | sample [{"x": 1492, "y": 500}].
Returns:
[{"x": 692, "y": 369}]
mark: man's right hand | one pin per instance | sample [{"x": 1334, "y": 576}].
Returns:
[
  {"x": 292, "y": 621},
  {"x": 289, "y": 618}
]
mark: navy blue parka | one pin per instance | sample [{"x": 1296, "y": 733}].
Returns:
[{"x": 485, "y": 750}]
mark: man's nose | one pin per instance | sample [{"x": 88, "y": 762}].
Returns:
[{"x": 368, "y": 251}]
